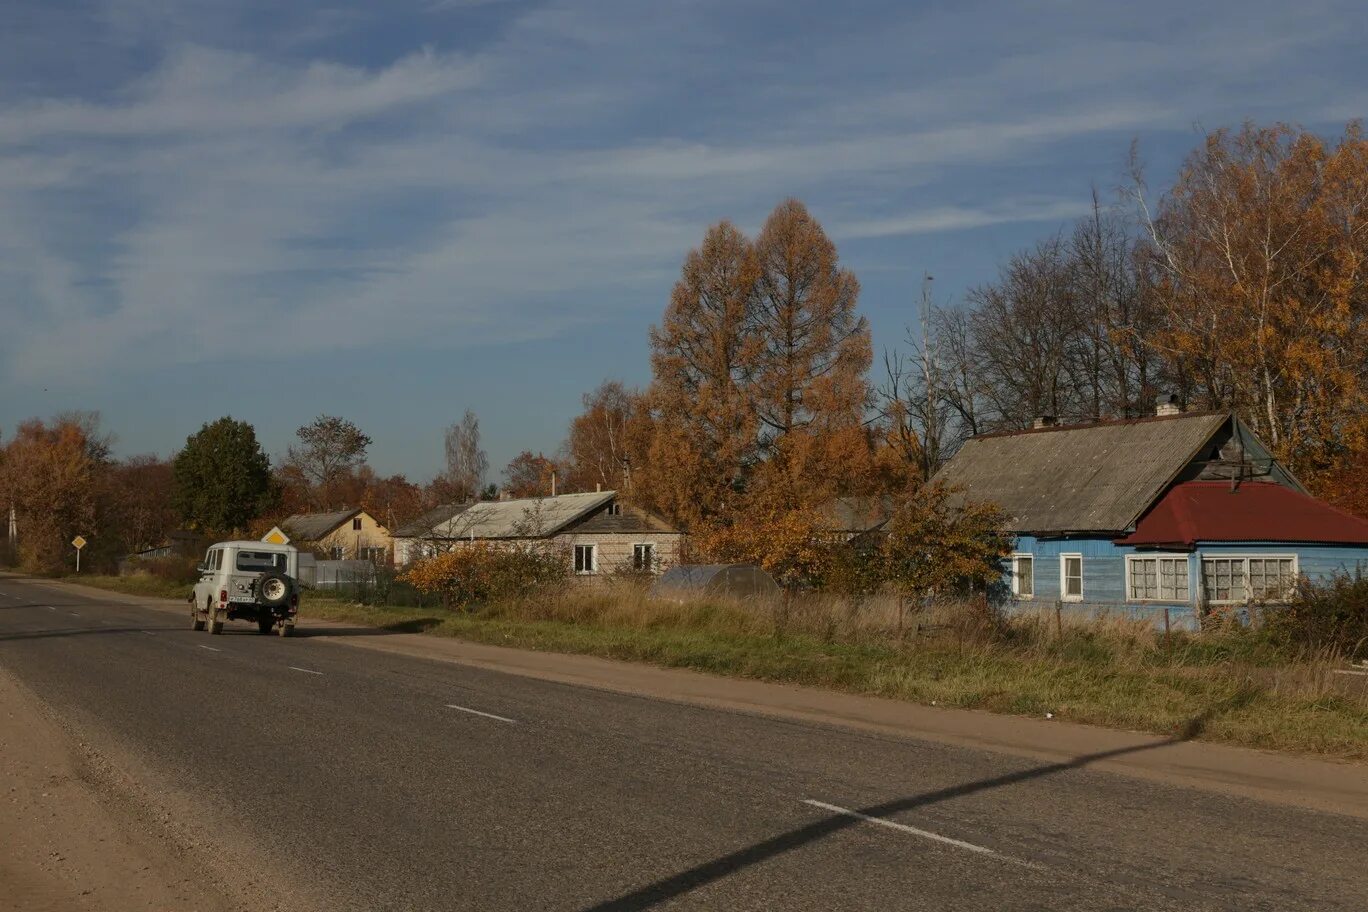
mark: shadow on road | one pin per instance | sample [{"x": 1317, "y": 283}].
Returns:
[
  {"x": 684, "y": 882},
  {"x": 416, "y": 625}
]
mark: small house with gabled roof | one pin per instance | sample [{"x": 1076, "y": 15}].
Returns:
[
  {"x": 1181, "y": 513},
  {"x": 598, "y": 531},
  {"x": 347, "y": 534}
]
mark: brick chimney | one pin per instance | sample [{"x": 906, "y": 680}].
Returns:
[
  {"x": 1166, "y": 405},
  {"x": 1044, "y": 421}
]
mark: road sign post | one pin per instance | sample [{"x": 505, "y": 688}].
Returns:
[{"x": 78, "y": 543}]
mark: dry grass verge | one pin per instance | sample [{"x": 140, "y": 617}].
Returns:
[{"x": 1118, "y": 673}]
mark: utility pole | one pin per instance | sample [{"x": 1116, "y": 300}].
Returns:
[{"x": 931, "y": 447}]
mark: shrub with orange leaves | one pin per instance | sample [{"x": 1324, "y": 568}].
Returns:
[
  {"x": 480, "y": 572},
  {"x": 937, "y": 542}
]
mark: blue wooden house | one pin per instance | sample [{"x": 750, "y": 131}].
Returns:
[{"x": 1184, "y": 512}]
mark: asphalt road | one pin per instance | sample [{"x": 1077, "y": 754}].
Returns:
[{"x": 372, "y": 781}]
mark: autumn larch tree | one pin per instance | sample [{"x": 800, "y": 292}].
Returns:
[
  {"x": 814, "y": 349},
  {"x": 701, "y": 356},
  {"x": 808, "y": 382}
]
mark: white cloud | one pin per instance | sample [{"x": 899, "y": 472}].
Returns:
[
  {"x": 234, "y": 204},
  {"x": 960, "y": 218},
  {"x": 200, "y": 91}
]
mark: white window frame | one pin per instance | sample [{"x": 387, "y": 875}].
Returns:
[
  {"x": 1245, "y": 558},
  {"x": 654, "y": 560},
  {"x": 1064, "y": 595},
  {"x": 1159, "y": 556},
  {"x": 1016, "y": 576},
  {"x": 593, "y": 559}
]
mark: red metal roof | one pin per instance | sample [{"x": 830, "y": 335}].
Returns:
[{"x": 1255, "y": 511}]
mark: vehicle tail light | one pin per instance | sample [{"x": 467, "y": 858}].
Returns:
[{"x": 223, "y": 595}]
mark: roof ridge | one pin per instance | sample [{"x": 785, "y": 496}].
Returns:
[{"x": 1100, "y": 423}]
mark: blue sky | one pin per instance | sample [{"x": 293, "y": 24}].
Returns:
[{"x": 396, "y": 211}]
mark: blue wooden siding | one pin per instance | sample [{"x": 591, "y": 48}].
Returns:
[{"x": 1104, "y": 573}]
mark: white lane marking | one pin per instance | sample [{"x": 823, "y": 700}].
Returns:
[
  {"x": 307, "y": 671},
  {"x": 49, "y": 608},
  {"x": 148, "y": 632},
  {"x": 476, "y": 712},
  {"x": 74, "y": 614},
  {"x": 210, "y": 648},
  {"x": 924, "y": 834}
]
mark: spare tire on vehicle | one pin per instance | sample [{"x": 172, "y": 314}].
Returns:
[{"x": 273, "y": 589}]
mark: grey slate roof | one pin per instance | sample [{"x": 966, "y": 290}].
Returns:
[
  {"x": 528, "y": 517},
  {"x": 429, "y": 521},
  {"x": 314, "y": 526},
  {"x": 1087, "y": 478}
]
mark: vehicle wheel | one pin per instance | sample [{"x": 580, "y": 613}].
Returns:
[
  {"x": 286, "y": 630},
  {"x": 215, "y": 623},
  {"x": 273, "y": 589},
  {"x": 196, "y": 622},
  {"x": 265, "y": 624}
]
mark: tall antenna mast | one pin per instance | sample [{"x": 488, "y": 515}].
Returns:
[{"x": 931, "y": 449}]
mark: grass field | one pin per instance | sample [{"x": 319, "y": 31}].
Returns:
[{"x": 1113, "y": 673}]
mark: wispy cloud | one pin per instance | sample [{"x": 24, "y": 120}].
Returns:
[
  {"x": 223, "y": 200},
  {"x": 960, "y": 218}
]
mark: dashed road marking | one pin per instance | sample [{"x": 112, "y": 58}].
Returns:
[
  {"x": 307, "y": 671},
  {"x": 476, "y": 712},
  {"x": 924, "y": 834},
  {"x": 210, "y": 648}
]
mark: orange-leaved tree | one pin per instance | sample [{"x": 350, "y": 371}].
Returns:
[
  {"x": 814, "y": 347},
  {"x": 939, "y": 542},
  {"x": 52, "y": 474},
  {"x": 1261, "y": 248},
  {"x": 481, "y": 572},
  {"x": 598, "y": 450},
  {"x": 529, "y": 475},
  {"x": 701, "y": 354}
]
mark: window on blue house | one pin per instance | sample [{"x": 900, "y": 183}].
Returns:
[
  {"x": 1071, "y": 577},
  {"x": 1023, "y": 576},
  {"x": 1236, "y": 580},
  {"x": 1157, "y": 577}
]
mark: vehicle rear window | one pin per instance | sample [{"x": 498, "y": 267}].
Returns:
[{"x": 256, "y": 561}]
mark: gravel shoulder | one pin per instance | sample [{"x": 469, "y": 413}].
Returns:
[{"x": 74, "y": 838}]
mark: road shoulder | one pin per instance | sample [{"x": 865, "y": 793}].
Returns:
[
  {"x": 1323, "y": 785},
  {"x": 69, "y": 845}
]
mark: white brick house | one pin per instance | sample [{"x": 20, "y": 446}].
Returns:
[{"x": 598, "y": 532}]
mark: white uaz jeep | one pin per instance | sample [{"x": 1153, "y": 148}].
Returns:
[{"x": 250, "y": 581}]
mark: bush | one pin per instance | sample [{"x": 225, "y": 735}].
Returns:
[
  {"x": 1328, "y": 617},
  {"x": 179, "y": 570},
  {"x": 481, "y": 572}
]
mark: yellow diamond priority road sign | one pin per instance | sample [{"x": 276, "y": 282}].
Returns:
[
  {"x": 276, "y": 537},
  {"x": 78, "y": 542}
]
